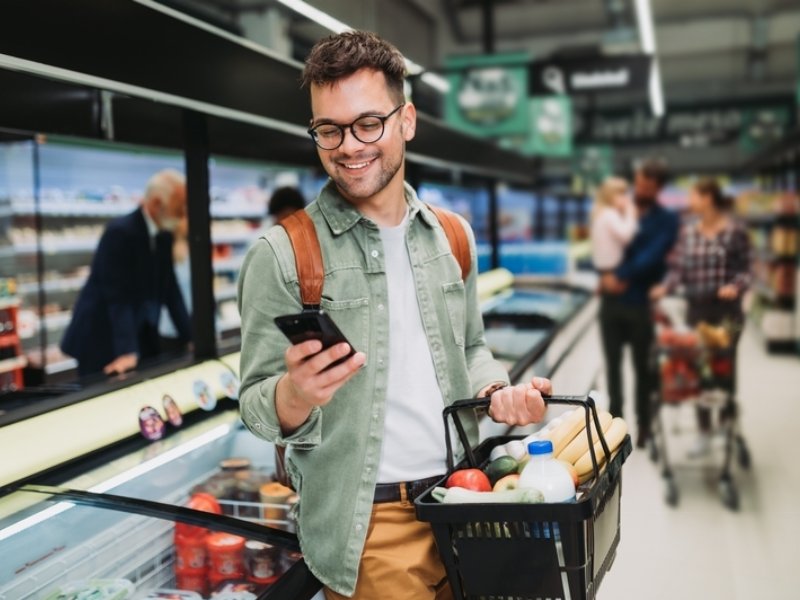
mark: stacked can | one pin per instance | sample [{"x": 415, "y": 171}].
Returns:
[
  {"x": 225, "y": 557},
  {"x": 191, "y": 562}
]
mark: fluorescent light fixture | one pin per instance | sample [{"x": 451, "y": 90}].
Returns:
[
  {"x": 130, "y": 474},
  {"x": 656, "y": 91},
  {"x": 647, "y": 36},
  {"x": 328, "y": 22},
  {"x": 644, "y": 20},
  {"x": 316, "y": 15}
]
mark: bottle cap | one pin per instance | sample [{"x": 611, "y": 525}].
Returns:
[{"x": 540, "y": 447}]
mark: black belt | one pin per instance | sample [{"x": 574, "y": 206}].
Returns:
[{"x": 391, "y": 492}]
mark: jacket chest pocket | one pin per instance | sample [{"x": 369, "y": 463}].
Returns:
[
  {"x": 352, "y": 318},
  {"x": 454, "y": 301}
]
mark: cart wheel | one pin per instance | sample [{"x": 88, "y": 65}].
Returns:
[
  {"x": 671, "y": 495},
  {"x": 742, "y": 453},
  {"x": 729, "y": 494},
  {"x": 653, "y": 451}
]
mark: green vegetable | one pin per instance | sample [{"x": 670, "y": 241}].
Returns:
[
  {"x": 456, "y": 495},
  {"x": 500, "y": 467}
]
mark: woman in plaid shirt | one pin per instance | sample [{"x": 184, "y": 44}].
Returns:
[{"x": 710, "y": 267}]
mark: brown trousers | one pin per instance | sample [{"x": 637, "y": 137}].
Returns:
[{"x": 400, "y": 560}]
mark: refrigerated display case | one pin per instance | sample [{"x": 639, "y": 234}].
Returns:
[{"x": 56, "y": 196}]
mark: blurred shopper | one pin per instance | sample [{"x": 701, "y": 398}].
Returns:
[
  {"x": 613, "y": 222},
  {"x": 284, "y": 201},
  {"x": 625, "y": 305},
  {"x": 115, "y": 320},
  {"x": 171, "y": 341},
  {"x": 711, "y": 269},
  {"x": 364, "y": 437}
]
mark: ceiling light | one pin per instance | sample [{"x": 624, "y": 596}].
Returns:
[
  {"x": 647, "y": 36},
  {"x": 328, "y": 22}
]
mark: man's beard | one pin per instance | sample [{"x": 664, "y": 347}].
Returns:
[
  {"x": 645, "y": 201},
  {"x": 366, "y": 189}
]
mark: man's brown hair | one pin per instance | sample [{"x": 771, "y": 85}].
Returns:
[
  {"x": 655, "y": 169},
  {"x": 338, "y": 56}
]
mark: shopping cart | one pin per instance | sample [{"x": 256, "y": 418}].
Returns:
[
  {"x": 531, "y": 551},
  {"x": 696, "y": 366}
]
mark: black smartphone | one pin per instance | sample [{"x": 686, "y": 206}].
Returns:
[{"x": 313, "y": 325}]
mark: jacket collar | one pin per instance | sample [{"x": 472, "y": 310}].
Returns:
[{"x": 342, "y": 216}]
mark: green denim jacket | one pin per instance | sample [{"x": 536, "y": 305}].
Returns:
[{"x": 333, "y": 458}]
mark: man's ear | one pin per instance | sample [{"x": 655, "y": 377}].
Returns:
[{"x": 409, "y": 121}]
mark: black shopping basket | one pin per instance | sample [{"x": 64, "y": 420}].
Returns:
[{"x": 528, "y": 551}]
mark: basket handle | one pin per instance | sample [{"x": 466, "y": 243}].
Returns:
[{"x": 587, "y": 402}]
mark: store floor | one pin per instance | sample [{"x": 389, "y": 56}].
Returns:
[{"x": 700, "y": 550}]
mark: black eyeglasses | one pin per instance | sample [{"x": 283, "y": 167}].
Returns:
[{"x": 367, "y": 130}]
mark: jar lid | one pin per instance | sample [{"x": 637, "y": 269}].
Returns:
[
  {"x": 234, "y": 464},
  {"x": 224, "y": 541}
]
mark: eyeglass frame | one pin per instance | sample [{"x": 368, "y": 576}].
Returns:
[{"x": 312, "y": 131}]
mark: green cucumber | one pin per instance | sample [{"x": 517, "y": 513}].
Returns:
[{"x": 500, "y": 467}]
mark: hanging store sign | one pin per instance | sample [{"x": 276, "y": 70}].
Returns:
[
  {"x": 704, "y": 125},
  {"x": 551, "y": 126},
  {"x": 593, "y": 163},
  {"x": 589, "y": 75},
  {"x": 488, "y": 94}
]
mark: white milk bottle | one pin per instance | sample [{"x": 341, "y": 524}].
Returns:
[{"x": 546, "y": 474}]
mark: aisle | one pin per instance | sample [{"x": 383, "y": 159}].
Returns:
[{"x": 700, "y": 550}]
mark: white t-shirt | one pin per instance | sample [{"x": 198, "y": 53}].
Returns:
[
  {"x": 413, "y": 437},
  {"x": 611, "y": 233}
]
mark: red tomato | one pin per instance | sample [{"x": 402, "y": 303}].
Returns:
[{"x": 471, "y": 479}]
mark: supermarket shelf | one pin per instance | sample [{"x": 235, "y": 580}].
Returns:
[
  {"x": 71, "y": 247},
  {"x": 769, "y": 219},
  {"x": 226, "y": 293},
  {"x": 9, "y": 302},
  {"x": 61, "y": 366},
  {"x": 53, "y": 322},
  {"x": 223, "y": 211},
  {"x": 768, "y": 256},
  {"x": 68, "y": 284},
  {"x": 785, "y": 301},
  {"x": 11, "y": 364},
  {"x": 228, "y": 324},
  {"x": 74, "y": 209},
  {"x": 234, "y": 238},
  {"x": 228, "y": 265}
]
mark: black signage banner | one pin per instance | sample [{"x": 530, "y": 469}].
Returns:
[
  {"x": 589, "y": 75},
  {"x": 702, "y": 125}
]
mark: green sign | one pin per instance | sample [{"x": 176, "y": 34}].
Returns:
[
  {"x": 593, "y": 163},
  {"x": 488, "y": 94},
  {"x": 551, "y": 126},
  {"x": 762, "y": 127}
]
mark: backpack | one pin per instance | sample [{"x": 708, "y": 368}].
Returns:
[{"x": 311, "y": 272}]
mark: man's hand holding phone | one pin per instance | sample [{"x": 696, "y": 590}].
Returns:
[{"x": 313, "y": 375}]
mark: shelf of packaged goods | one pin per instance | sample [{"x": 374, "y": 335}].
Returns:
[
  {"x": 786, "y": 301},
  {"x": 769, "y": 219},
  {"x": 228, "y": 265},
  {"x": 12, "y": 364},
  {"x": 9, "y": 302},
  {"x": 82, "y": 246},
  {"x": 76, "y": 208},
  {"x": 225, "y": 293},
  {"x": 67, "y": 284},
  {"x": 53, "y": 322},
  {"x": 232, "y": 211},
  {"x": 768, "y": 256},
  {"x": 230, "y": 324},
  {"x": 242, "y": 238}
]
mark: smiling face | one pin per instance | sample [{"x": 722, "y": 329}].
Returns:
[{"x": 364, "y": 173}]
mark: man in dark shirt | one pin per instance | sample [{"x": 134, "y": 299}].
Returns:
[{"x": 625, "y": 307}]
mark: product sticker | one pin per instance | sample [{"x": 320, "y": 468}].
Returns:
[
  {"x": 202, "y": 394},
  {"x": 172, "y": 411},
  {"x": 230, "y": 384},
  {"x": 151, "y": 424}
]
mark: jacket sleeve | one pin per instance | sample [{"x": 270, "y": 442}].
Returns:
[
  {"x": 484, "y": 370},
  {"x": 264, "y": 293},
  {"x": 176, "y": 306},
  {"x": 651, "y": 255}
]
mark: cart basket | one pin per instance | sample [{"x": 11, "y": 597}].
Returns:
[{"x": 528, "y": 551}]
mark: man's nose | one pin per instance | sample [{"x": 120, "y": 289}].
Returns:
[{"x": 350, "y": 142}]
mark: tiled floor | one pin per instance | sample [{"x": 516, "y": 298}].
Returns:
[{"x": 700, "y": 550}]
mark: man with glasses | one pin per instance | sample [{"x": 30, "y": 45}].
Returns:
[{"x": 365, "y": 437}]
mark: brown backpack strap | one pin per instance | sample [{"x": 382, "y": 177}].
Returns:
[
  {"x": 459, "y": 243},
  {"x": 307, "y": 255}
]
